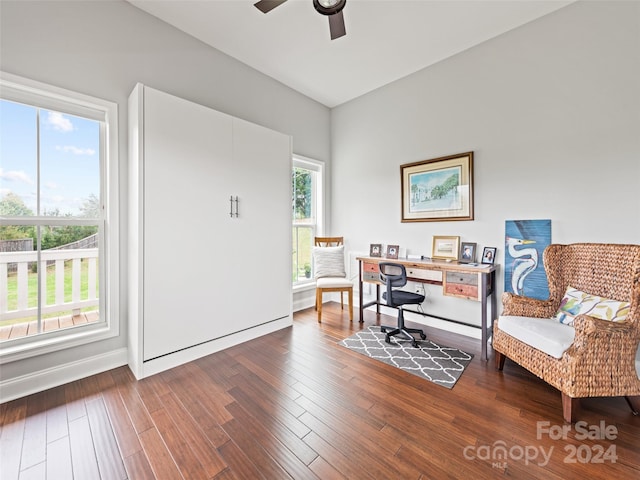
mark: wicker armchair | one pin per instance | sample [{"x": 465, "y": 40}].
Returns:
[{"x": 601, "y": 360}]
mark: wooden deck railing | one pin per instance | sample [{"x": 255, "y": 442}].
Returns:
[{"x": 21, "y": 308}]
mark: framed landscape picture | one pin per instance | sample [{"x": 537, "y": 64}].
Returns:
[
  {"x": 445, "y": 248},
  {"x": 438, "y": 190}
]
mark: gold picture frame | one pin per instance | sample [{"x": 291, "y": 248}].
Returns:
[
  {"x": 445, "y": 247},
  {"x": 436, "y": 190}
]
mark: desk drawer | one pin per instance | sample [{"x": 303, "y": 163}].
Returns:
[
  {"x": 370, "y": 267},
  {"x": 431, "y": 276},
  {"x": 370, "y": 272},
  {"x": 464, "y": 285},
  {"x": 370, "y": 277}
]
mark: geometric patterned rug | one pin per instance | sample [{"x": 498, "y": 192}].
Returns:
[{"x": 440, "y": 365}]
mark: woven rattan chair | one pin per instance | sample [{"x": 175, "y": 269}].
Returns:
[{"x": 601, "y": 361}]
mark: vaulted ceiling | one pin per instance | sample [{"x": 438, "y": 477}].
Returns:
[{"x": 385, "y": 40}]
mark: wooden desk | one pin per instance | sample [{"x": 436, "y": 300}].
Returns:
[{"x": 457, "y": 280}]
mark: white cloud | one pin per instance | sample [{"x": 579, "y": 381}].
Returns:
[
  {"x": 59, "y": 122},
  {"x": 76, "y": 150},
  {"x": 16, "y": 176},
  {"x": 51, "y": 185}
]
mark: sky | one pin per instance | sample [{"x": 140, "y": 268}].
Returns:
[{"x": 69, "y": 169}]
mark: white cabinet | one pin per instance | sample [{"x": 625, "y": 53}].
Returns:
[{"x": 201, "y": 278}]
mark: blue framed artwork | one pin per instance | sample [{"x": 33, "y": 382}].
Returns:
[{"x": 524, "y": 274}]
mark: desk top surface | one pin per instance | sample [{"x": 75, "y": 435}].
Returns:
[{"x": 433, "y": 264}]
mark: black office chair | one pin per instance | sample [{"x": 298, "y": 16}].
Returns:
[{"x": 395, "y": 275}]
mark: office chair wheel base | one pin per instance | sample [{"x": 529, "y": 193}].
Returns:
[
  {"x": 415, "y": 344},
  {"x": 423, "y": 336},
  {"x": 387, "y": 339}
]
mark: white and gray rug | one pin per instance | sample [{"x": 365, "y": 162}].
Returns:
[{"x": 438, "y": 364}]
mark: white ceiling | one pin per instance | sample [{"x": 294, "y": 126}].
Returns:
[{"x": 386, "y": 39}]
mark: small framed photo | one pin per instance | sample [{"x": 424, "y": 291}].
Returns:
[
  {"x": 445, "y": 248},
  {"x": 489, "y": 255},
  {"x": 392, "y": 251},
  {"x": 375, "y": 250},
  {"x": 467, "y": 252}
]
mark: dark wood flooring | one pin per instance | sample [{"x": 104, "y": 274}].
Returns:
[{"x": 295, "y": 404}]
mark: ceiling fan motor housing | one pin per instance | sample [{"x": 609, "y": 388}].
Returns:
[{"x": 329, "y": 7}]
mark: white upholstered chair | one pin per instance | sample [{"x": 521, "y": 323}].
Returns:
[{"x": 329, "y": 271}]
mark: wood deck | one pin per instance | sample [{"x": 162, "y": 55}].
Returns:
[
  {"x": 295, "y": 404},
  {"x": 18, "y": 330}
]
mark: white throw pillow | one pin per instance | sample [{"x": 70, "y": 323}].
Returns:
[{"x": 329, "y": 261}]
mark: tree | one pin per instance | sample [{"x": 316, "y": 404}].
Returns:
[
  {"x": 90, "y": 207},
  {"x": 57, "y": 235},
  {"x": 302, "y": 198},
  {"x": 12, "y": 205},
  {"x": 52, "y": 236},
  {"x": 446, "y": 187}
]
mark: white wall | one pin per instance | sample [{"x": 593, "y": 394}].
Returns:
[
  {"x": 102, "y": 48},
  {"x": 552, "y": 112}
]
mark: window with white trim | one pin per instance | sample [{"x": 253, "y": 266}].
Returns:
[
  {"x": 58, "y": 218},
  {"x": 307, "y": 183}
]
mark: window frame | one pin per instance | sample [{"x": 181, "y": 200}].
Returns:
[
  {"x": 42, "y": 95},
  {"x": 317, "y": 166}
]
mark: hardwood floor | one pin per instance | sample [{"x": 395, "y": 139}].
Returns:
[{"x": 295, "y": 404}]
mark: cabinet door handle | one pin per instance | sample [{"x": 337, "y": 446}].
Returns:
[{"x": 231, "y": 200}]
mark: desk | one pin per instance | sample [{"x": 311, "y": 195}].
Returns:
[{"x": 457, "y": 280}]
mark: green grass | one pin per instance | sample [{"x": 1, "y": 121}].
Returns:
[{"x": 32, "y": 289}]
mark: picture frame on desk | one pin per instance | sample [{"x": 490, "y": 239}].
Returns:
[
  {"x": 375, "y": 250},
  {"x": 436, "y": 190},
  {"x": 489, "y": 255},
  {"x": 392, "y": 251},
  {"x": 467, "y": 252},
  {"x": 445, "y": 247}
]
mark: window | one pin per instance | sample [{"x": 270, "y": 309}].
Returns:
[
  {"x": 307, "y": 180},
  {"x": 58, "y": 233}
]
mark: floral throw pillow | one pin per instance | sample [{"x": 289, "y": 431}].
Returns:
[{"x": 576, "y": 302}]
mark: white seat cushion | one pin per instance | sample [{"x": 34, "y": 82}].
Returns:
[
  {"x": 333, "y": 282},
  {"x": 544, "y": 334}
]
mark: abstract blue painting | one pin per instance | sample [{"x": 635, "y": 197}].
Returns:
[{"x": 524, "y": 274}]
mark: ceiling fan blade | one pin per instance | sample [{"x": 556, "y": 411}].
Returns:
[
  {"x": 267, "y": 5},
  {"x": 336, "y": 25}
]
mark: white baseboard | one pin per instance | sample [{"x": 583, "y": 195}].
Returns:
[
  {"x": 304, "y": 298},
  {"x": 55, "y": 376},
  {"x": 151, "y": 367}
]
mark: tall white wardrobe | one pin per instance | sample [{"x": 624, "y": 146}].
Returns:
[{"x": 210, "y": 231}]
